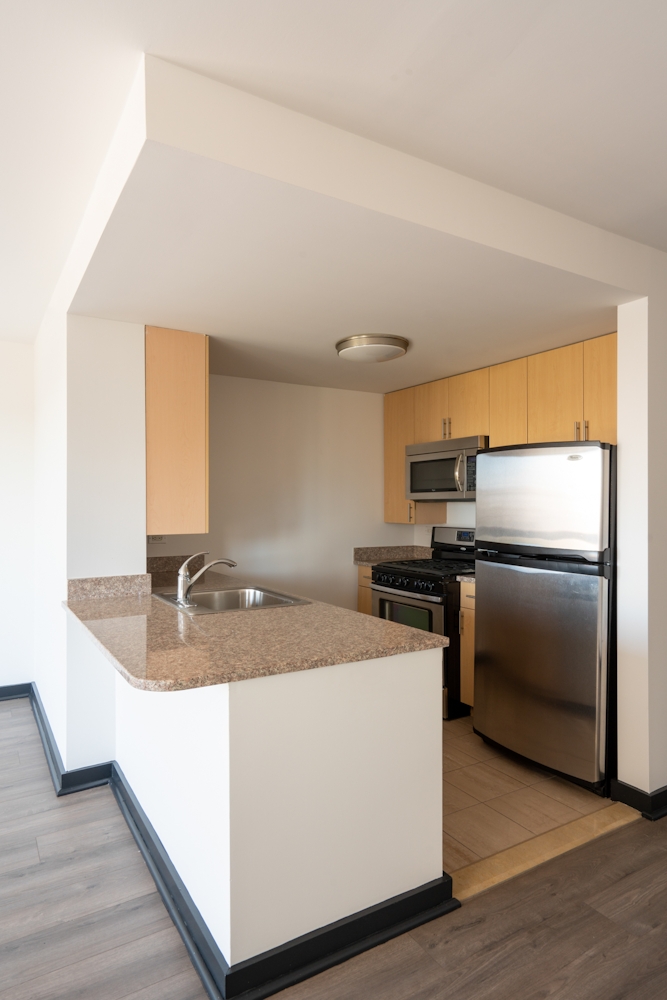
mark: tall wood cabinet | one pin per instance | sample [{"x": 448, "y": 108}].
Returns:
[
  {"x": 176, "y": 432},
  {"x": 399, "y": 431}
]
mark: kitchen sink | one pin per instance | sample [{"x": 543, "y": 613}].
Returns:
[{"x": 212, "y": 602}]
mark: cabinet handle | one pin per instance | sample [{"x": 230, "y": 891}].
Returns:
[
  {"x": 461, "y": 621},
  {"x": 444, "y": 427},
  {"x": 410, "y": 511},
  {"x": 449, "y": 427},
  {"x": 576, "y": 430},
  {"x": 585, "y": 430}
]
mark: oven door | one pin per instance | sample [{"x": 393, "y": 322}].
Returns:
[
  {"x": 439, "y": 476},
  {"x": 429, "y": 614},
  {"x": 417, "y": 612}
]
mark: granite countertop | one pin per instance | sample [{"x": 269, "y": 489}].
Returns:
[
  {"x": 465, "y": 579},
  {"x": 157, "y": 648},
  {"x": 390, "y": 553}
]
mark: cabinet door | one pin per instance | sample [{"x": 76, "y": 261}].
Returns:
[
  {"x": 556, "y": 394},
  {"x": 600, "y": 389},
  {"x": 469, "y": 403},
  {"x": 431, "y": 410},
  {"x": 176, "y": 432},
  {"x": 365, "y": 600},
  {"x": 467, "y": 633},
  {"x": 508, "y": 403},
  {"x": 399, "y": 431}
]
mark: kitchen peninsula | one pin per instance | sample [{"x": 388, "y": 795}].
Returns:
[{"x": 289, "y": 760}]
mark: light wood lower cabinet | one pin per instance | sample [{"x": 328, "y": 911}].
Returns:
[
  {"x": 467, "y": 640},
  {"x": 556, "y": 395},
  {"x": 176, "y": 432},
  {"x": 508, "y": 403},
  {"x": 365, "y": 600},
  {"x": 364, "y": 592},
  {"x": 399, "y": 431}
]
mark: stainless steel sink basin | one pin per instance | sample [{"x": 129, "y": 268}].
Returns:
[{"x": 212, "y": 602}]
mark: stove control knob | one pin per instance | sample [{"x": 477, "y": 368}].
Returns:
[
  {"x": 430, "y": 586},
  {"x": 405, "y": 581},
  {"x": 382, "y": 577},
  {"x": 419, "y": 584}
]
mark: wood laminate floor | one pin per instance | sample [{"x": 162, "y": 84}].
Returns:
[
  {"x": 588, "y": 925},
  {"x": 80, "y": 917}
]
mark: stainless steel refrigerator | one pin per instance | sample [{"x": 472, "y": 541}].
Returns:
[{"x": 544, "y": 571}]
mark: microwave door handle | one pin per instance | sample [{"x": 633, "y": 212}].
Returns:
[{"x": 457, "y": 473}]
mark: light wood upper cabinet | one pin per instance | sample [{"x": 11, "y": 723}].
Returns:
[
  {"x": 431, "y": 410},
  {"x": 556, "y": 394},
  {"x": 600, "y": 388},
  {"x": 508, "y": 403},
  {"x": 469, "y": 403},
  {"x": 176, "y": 432},
  {"x": 399, "y": 431},
  {"x": 562, "y": 395}
]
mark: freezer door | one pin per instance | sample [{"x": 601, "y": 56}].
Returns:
[
  {"x": 541, "y": 665},
  {"x": 545, "y": 497}
]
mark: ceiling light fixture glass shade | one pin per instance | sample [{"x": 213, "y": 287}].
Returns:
[{"x": 370, "y": 347}]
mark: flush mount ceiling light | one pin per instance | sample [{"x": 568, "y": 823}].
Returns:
[{"x": 371, "y": 347}]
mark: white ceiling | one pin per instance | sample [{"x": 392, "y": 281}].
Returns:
[
  {"x": 560, "y": 102},
  {"x": 277, "y": 274}
]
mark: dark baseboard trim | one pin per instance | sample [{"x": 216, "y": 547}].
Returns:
[
  {"x": 10, "y": 691},
  {"x": 294, "y": 961},
  {"x": 652, "y": 805},
  {"x": 64, "y": 781},
  {"x": 274, "y": 970}
]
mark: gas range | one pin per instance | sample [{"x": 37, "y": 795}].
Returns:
[{"x": 453, "y": 555}]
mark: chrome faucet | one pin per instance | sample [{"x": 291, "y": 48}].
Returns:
[{"x": 186, "y": 582}]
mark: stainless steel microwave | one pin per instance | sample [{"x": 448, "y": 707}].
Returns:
[{"x": 443, "y": 470}]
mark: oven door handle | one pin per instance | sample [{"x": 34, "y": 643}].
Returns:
[
  {"x": 431, "y": 598},
  {"x": 457, "y": 472}
]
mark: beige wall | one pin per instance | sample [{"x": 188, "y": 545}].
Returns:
[{"x": 296, "y": 483}]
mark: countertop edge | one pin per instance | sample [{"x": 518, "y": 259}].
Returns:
[
  {"x": 437, "y": 642},
  {"x": 133, "y": 681}
]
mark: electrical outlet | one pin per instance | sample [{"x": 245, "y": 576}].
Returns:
[{"x": 157, "y": 539}]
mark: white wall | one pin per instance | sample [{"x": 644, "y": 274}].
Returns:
[
  {"x": 633, "y": 540},
  {"x": 296, "y": 483},
  {"x": 336, "y": 793},
  {"x": 50, "y": 669},
  {"x": 173, "y": 748},
  {"x": 16, "y": 512},
  {"x": 289, "y": 802},
  {"x": 106, "y": 448}
]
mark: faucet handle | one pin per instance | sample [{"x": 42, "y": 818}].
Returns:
[{"x": 184, "y": 571}]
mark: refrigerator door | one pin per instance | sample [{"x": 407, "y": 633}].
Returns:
[
  {"x": 541, "y": 665},
  {"x": 545, "y": 497}
]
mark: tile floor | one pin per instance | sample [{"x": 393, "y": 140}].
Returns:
[{"x": 491, "y": 802}]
